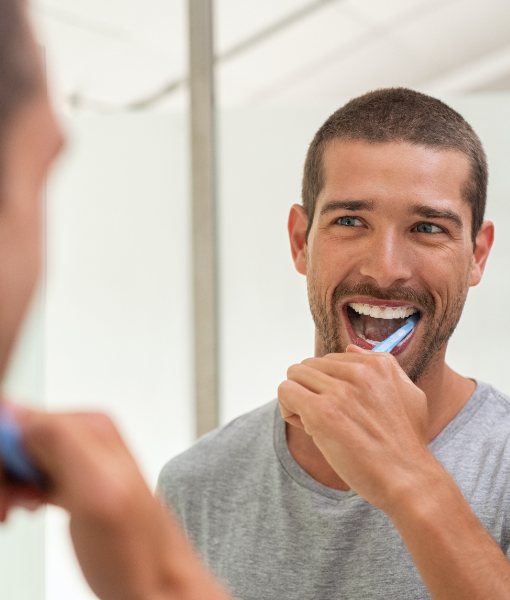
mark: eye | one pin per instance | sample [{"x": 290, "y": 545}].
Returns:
[
  {"x": 349, "y": 222},
  {"x": 428, "y": 228}
]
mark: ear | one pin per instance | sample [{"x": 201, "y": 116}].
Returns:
[
  {"x": 483, "y": 244},
  {"x": 297, "y": 226}
]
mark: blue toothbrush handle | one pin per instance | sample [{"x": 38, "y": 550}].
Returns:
[
  {"x": 17, "y": 464},
  {"x": 396, "y": 337}
]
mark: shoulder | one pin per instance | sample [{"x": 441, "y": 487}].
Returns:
[
  {"x": 479, "y": 431},
  {"x": 494, "y": 408},
  {"x": 227, "y": 450},
  {"x": 484, "y": 435}
]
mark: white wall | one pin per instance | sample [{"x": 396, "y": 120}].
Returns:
[
  {"x": 479, "y": 347},
  {"x": 264, "y": 319}
]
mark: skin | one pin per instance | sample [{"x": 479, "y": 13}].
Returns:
[
  {"x": 355, "y": 419},
  {"x": 32, "y": 141},
  {"x": 129, "y": 546}
]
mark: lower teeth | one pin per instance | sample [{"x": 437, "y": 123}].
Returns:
[
  {"x": 363, "y": 325},
  {"x": 373, "y": 342}
]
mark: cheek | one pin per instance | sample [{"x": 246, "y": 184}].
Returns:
[
  {"x": 322, "y": 281},
  {"x": 332, "y": 262},
  {"x": 448, "y": 281}
]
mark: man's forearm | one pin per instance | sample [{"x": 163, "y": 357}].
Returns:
[{"x": 454, "y": 554}]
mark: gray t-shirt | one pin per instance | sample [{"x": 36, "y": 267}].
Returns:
[{"x": 270, "y": 531}]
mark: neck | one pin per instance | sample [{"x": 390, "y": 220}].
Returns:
[{"x": 447, "y": 392}]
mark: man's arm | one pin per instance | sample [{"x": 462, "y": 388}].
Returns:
[
  {"x": 128, "y": 545},
  {"x": 369, "y": 421},
  {"x": 455, "y": 555}
]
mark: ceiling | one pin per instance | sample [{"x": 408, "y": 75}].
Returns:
[{"x": 118, "y": 54}]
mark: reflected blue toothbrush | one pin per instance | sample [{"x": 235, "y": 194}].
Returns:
[
  {"x": 16, "y": 463},
  {"x": 396, "y": 337}
]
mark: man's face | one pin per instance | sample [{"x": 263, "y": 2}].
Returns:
[
  {"x": 391, "y": 236},
  {"x": 31, "y": 142}
]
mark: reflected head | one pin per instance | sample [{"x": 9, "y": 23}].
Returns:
[{"x": 19, "y": 70}]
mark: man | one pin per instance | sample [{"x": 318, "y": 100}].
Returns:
[
  {"x": 127, "y": 545},
  {"x": 386, "y": 476}
]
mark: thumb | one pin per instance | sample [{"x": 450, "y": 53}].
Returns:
[{"x": 356, "y": 349}]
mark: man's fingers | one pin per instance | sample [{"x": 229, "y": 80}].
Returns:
[
  {"x": 293, "y": 399},
  {"x": 356, "y": 363},
  {"x": 313, "y": 379},
  {"x": 295, "y": 421},
  {"x": 16, "y": 495},
  {"x": 353, "y": 349},
  {"x": 349, "y": 369},
  {"x": 329, "y": 365}
]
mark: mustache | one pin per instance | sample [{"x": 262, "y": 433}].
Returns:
[{"x": 421, "y": 298}]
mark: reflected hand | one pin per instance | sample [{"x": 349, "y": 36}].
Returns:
[{"x": 128, "y": 545}]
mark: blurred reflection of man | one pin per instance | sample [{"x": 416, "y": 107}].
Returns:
[
  {"x": 375, "y": 475},
  {"x": 127, "y": 545}
]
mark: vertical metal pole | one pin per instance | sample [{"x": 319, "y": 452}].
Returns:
[{"x": 203, "y": 188}]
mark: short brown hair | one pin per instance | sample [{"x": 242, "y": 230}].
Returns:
[
  {"x": 400, "y": 114},
  {"x": 19, "y": 71}
]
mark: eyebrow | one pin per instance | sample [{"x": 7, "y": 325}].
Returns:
[
  {"x": 433, "y": 213},
  {"x": 423, "y": 210},
  {"x": 347, "y": 205}
]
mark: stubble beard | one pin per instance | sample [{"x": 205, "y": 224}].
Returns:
[{"x": 328, "y": 320}]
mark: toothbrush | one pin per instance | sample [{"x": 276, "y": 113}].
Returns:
[{"x": 396, "y": 337}]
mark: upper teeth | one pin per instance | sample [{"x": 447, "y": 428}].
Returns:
[{"x": 383, "y": 312}]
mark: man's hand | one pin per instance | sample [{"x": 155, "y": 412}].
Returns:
[
  {"x": 369, "y": 421},
  {"x": 128, "y": 546},
  {"x": 365, "y": 416}
]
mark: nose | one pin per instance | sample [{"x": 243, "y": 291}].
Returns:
[{"x": 386, "y": 260}]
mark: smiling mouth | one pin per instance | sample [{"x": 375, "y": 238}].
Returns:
[{"x": 373, "y": 324}]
